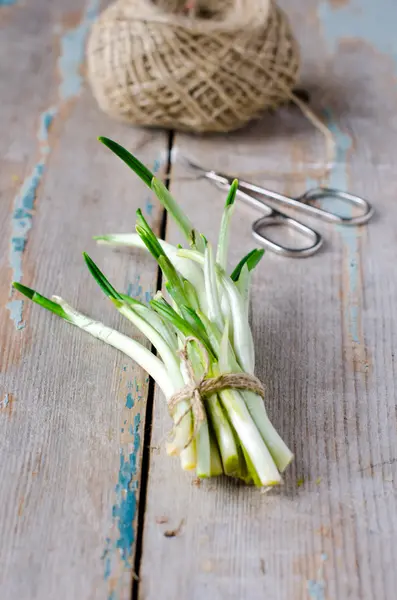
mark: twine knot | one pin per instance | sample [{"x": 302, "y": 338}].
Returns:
[{"x": 196, "y": 390}]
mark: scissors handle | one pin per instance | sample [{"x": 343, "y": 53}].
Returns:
[
  {"x": 302, "y": 203},
  {"x": 274, "y": 217},
  {"x": 321, "y": 193}
]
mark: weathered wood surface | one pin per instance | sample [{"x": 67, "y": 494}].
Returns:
[
  {"x": 325, "y": 332},
  {"x": 72, "y": 410}
]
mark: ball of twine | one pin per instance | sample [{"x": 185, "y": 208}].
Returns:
[{"x": 203, "y": 65}]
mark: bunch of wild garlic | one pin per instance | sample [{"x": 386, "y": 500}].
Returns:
[{"x": 200, "y": 332}]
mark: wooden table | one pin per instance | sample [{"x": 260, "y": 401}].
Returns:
[{"x": 85, "y": 485}]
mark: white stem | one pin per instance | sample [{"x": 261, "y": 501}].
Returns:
[
  {"x": 169, "y": 357},
  {"x": 211, "y": 289},
  {"x": 223, "y": 243},
  {"x": 164, "y": 328},
  {"x": 186, "y": 267},
  {"x": 279, "y": 450},
  {"x": 149, "y": 362},
  {"x": 243, "y": 284},
  {"x": 250, "y": 437},
  {"x": 242, "y": 338},
  {"x": 243, "y": 343},
  {"x": 141, "y": 355},
  {"x": 281, "y": 454},
  {"x": 188, "y": 457},
  {"x": 216, "y": 463},
  {"x": 224, "y": 436},
  {"x": 183, "y": 431},
  {"x": 203, "y": 451}
]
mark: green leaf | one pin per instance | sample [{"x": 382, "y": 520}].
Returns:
[
  {"x": 205, "y": 241},
  {"x": 101, "y": 280},
  {"x": 41, "y": 300},
  {"x": 152, "y": 243},
  {"x": 197, "y": 325},
  {"x": 191, "y": 294},
  {"x": 173, "y": 208},
  {"x": 129, "y": 300},
  {"x": 232, "y": 193},
  {"x": 148, "y": 236},
  {"x": 191, "y": 317},
  {"x": 130, "y": 160},
  {"x": 175, "y": 289},
  {"x": 251, "y": 260},
  {"x": 189, "y": 324},
  {"x": 223, "y": 240},
  {"x": 164, "y": 309}
]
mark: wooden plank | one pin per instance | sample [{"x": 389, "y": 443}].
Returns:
[
  {"x": 325, "y": 331},
  {"x": 72, "y": 410}
]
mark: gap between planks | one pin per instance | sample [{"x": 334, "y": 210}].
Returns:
[{"x": 147, "y": 436}]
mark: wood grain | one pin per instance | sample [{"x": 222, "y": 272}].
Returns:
[
  {"x": 72, "y": 410},
  {"x": 325, "y": 333}
]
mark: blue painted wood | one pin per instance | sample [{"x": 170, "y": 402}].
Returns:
[{"x": 72, "y": 411}]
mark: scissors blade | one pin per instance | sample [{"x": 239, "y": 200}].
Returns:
[{"x": 220, "y": 178}]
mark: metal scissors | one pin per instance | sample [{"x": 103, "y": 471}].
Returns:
[{"x": 302, "y": 203}]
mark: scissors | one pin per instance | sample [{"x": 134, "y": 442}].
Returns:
[{"x": 302, "y": 203}]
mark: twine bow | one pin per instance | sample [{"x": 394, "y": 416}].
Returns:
[{"x": 197, "y": 389}]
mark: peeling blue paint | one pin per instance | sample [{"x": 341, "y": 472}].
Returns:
[
  {"x": 69, "y": 64},
  {"x": 125, "y": 508},
  {"x": 149, "y": 206},
  {"x": 349, "y": 235},
  {"x": 135, "y": 289},
  {"x": 7, "y": 2},
  {"x": 72, "y": 53},
  {"x": 361, "y": 19},
  {"x": 107, "y": 567},
  {"x": 334, "y": 21},
  {"x": 5, "y": 402},
  {"x": 15, "y": 308},
  {"x": 137, "y": 390},
  {"x": 130, "y": 401},
  {"x": 45, "y": 123},
  {"x": 22, "y": 215},
  {"x": 148, "y": 202},
  {"x": 316, "y": 587}
]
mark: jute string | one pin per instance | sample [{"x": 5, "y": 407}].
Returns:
[
  {"x": 150, "y": 63},
  {"x": 319, "y": 172},
  {"x": 198, "y": 65},
  {"x": 195, "y": 391}
]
